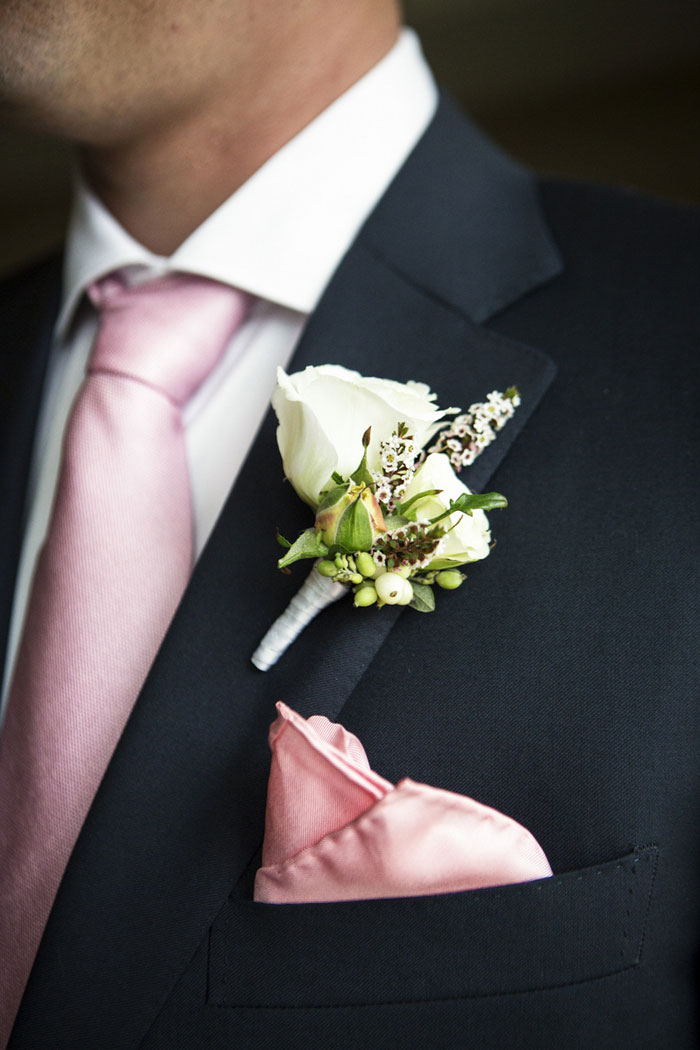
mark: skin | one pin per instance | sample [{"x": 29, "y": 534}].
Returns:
[{"x": 171, "y": 104}]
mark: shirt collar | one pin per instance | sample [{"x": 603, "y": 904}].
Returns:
[{"x": 282, "y": 234}]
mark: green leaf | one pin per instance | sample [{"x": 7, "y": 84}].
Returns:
[
  {"x": 394, "y": 521},
  {"x": 423, "y": 598},
  {"x": 333, "y": 496},
  {"x": 308, "y": 545},
  {"x": 282, "y": 541},
  {"x": 445, "y": 563},
  {"x": 338, "y": 478},
  {"x": 354, "y": 531},
  {"x": 401, "y": 508},
  {"x": 470, "y": 501}
]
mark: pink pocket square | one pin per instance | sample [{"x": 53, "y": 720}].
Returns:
[{"x": 337, "y": 831}]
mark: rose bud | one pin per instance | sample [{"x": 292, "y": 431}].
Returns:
[{"x": 349, "y": 517}]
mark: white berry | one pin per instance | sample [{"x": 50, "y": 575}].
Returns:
[{"x": 390, "y": 588}]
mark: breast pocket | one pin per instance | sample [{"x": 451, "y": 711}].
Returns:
[{"x": 566, "y": 929}]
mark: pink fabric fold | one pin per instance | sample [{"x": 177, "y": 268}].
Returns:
[{"x": 335, "y": 830}]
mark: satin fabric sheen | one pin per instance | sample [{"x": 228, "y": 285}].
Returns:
[
  {"x": 335, "y": 830},
  {"x": 112, "y": 571}
]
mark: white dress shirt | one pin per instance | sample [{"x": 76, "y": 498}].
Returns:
[{"x": 280, "y": 236}]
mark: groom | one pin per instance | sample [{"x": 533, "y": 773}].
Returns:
[{"x": 297, "y": 162}]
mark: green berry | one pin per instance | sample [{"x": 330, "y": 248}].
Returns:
[
  {"x": 365, "y": 563},
  {"x": 327, "y": 568},
  {"x": 365, "y": 595},
  {"x": 449, "y": 579}
]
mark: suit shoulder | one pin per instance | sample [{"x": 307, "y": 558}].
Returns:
[
  {"x": 603, "y": 222},
  {"x": 628, "y": 288}
]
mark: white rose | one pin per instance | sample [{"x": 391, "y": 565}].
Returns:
[
  {"x": 324, "y": 411},
  {"x": 469, "y": 539}
]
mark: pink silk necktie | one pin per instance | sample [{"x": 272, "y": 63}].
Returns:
[{"x": 114, "y": 566}]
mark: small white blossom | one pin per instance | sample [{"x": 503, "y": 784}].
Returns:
[
  {"x": 473, "y": 431},
  {"x": 383, "y": 493}
]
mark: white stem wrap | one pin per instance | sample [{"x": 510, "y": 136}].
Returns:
[{"x": 316, "y": 594}]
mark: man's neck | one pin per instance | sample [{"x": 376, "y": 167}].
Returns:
[{"x": 163, "y": 183}]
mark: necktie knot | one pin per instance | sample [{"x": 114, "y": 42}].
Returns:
[{"x": 167, "y": 332}]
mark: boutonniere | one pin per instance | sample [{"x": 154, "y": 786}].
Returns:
[{"x": 377, "y": 463}]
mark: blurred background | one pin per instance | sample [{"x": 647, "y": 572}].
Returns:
[{"x": 596, "y": 89}]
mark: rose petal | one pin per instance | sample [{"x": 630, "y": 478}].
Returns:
[
  {"x": 328, "y": 407},
  {"x": 308, "y": 457},
  {"x": 468, "y": 537}
]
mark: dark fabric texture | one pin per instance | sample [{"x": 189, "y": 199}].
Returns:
[{"x": 558, "y": 685}]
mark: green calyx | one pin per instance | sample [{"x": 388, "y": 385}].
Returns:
[
  {"x": 354, "y": 529},
  {"x": 350, "y": 518},
  {"x": 362, "y": 475}
]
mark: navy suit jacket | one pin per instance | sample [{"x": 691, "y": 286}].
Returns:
[{"x": 559, "y": 685}]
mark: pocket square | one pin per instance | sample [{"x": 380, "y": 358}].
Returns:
[{"x": 336, "y": 831}]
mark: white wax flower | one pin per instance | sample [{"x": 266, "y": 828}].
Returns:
[
  {"x": 469, "y": 539},
  {"x": 324, "y": 411}
]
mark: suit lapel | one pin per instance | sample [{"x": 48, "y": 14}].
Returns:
[
  {"x": 180, "y": 812},
  {"x": 28, "y": 307}
]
